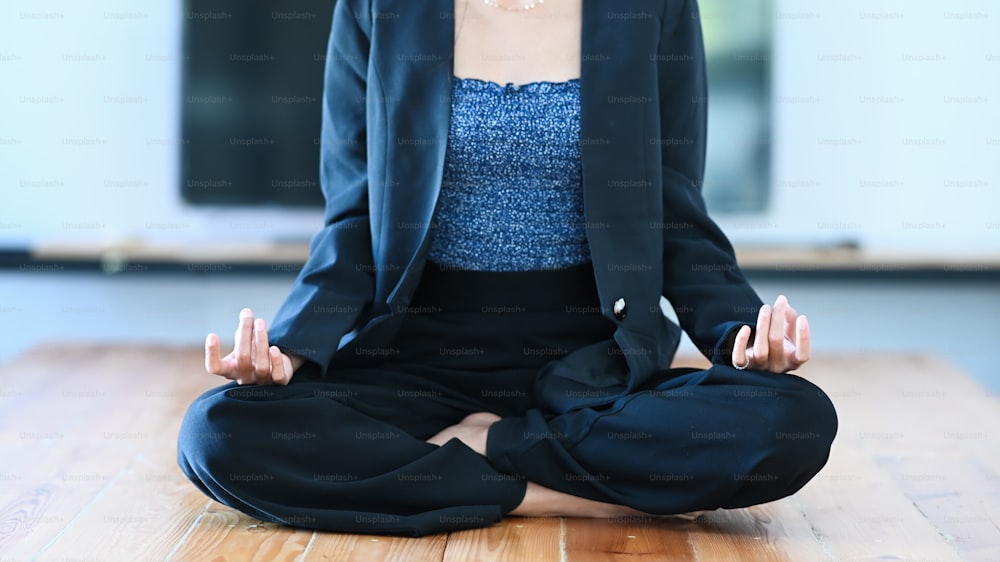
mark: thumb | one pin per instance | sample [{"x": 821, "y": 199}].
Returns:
[{"x": 741, "y": 351}]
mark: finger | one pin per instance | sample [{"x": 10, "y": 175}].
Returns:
[
  {"x": 776, "y": 334},
  {"x": 802, "y": 353},
  {"x": 213, "y": 361},
  {"x": 253, "y": 356},
  {"x": 277, "y": 366},
  {"x": 792, "y": 314},
  {"x": 790, "y": 318},
  {"x": 740, "y": 346},
  {"x": 760, "y": 341},
  {"x": 288, "y": 367},
  {"x": 244, "y": 363},
  {"x": 262, "y": 360}
]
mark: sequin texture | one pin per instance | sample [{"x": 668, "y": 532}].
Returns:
[{"x": 511, "y": 197}]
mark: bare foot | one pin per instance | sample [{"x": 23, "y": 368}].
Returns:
[
  {"x": 689, "y": 516},
  {"x": 540, "y": 501},
  {"x": 472, "y": 431}
]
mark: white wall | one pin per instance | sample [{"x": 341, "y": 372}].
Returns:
[
  {"x": 89, "y": 128},
  {"x": 857, "y": 84},
  {"x": 89, "y": 135}
]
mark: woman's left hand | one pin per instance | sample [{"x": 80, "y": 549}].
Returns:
[{"x": 781, "y": 343}]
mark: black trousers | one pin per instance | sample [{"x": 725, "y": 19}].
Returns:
[{"x": 347, "y": 452}]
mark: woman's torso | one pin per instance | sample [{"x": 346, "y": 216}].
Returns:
[{"x": 511, "y": 196}]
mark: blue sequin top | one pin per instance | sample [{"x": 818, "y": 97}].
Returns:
[{"x": 511, "y": 197}]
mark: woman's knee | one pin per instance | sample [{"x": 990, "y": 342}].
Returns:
[
  {"x": 223, "y": 424},
  {"x": 807, "y": 421},
  {"x": 223, "y": 433},
  {"x": 205, "y": 437},
  {"x": 796, "y": 440}
]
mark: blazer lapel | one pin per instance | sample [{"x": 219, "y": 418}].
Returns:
[
  {"x": 414, "y": 62},
  {"x": 617, "y": 98},
  {"x": 413, "y": 59}
]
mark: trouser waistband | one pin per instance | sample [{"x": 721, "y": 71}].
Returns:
[{"x": 455, "y": 290}]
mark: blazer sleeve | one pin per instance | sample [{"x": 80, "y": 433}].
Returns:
[
  {"x": 337, "y": 282},
  {"x": 701, "y": 278}
]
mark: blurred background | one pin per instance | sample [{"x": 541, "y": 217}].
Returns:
[{"x": 158, "y": 166}]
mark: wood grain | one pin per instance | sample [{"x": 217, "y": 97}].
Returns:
[
  {"x": 934, "y": 435},
  {"x": 627, "y": 539},
  {"x": 87, "y": 438},
  {"x": 70, "y": 448},
  {"x": 958, "y": 497},
  {"x": 148, "y": 509},
  {"x": 858, "y": 513},
  {"x": 512, "y": 540},
  {"x": 25, "y": 380},
  {"x": 774, "y": 531},
  {"x": 221, "y": 534},
  {"x": 337, "y": 547},
  {"x": 877, "y": 420}
]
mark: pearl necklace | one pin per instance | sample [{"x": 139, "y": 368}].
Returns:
[{"x": 525, "y": 8}]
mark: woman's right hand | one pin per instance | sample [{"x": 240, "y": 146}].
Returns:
[{"x": 252, "y": 360}]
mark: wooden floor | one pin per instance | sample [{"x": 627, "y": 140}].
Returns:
[{"x": 87, "y": 472}]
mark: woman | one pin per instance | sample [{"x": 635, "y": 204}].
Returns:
[{"x": 511, "y": 188}]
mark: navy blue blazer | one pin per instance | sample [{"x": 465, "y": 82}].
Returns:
[{"x": 386, "y": 111}]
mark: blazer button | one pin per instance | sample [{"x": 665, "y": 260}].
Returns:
[{"x": 620, "y": 309}]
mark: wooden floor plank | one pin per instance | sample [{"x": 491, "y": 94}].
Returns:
[
  {"x": 991, "y": 552},
  {"x": 340, "y": 547},
  {"x": 773, "y": 531},
  {"x": 909, "y": 403},
  {"x": 933, "y": 433},
  {"x": 147, "y": 510},
  {"x": 515, "y": 539},
  {"x": 70, "y": 449},
  {"x": 36, "y": 416},
  {"x": 222, "y": 534},
  {"x": 858, "y": 512},
  {"x": 128, "y": 534},
  {"x": 29, "y": 378},
  {"x": 627, "y": 539},
  {"x": 956, "y": 496},
  {"x": 914, "y": 474},
  {"x": 856, "y": 507},
  {"x": 99, "y": 444},
  {"x": 144, "y": 513}
]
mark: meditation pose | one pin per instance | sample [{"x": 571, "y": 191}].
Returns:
[{"x": 513, "y": 194}]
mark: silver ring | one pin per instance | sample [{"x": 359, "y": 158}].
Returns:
[{"x": 743, "y": 366}]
